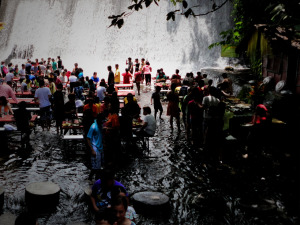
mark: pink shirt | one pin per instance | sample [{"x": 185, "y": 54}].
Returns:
[
  {"x": 147, "y": 69},
  {"x": 7, "y": 91}
]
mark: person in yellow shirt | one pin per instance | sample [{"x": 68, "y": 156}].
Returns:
[
  {"x": 97, "y": 104},
  {"x": 117, "y": 74}
]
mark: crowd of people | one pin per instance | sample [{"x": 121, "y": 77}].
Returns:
[{"x": 194, "y": 102}]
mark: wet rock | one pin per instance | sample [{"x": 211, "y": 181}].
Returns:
[
  {"x": 39, "y": 193},
  {"x": 151, "y": 202},
  {"x": 88, "y": 191},
  {"x": 7, "y": 219}
]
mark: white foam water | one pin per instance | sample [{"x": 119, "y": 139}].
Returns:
[{"x": 77, "y": 30}]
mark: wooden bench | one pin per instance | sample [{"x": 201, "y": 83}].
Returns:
[
  {"x": 73, "y": 137},
  {"x": 29, "y": 109}
]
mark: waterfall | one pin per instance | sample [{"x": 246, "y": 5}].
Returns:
[{"x": 77, "y": 30}]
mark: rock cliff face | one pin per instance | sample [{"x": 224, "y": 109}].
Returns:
[{"x": 77, "y": 30}]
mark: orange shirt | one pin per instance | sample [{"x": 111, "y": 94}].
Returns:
[
  {"x": 112, "y": 121},
  {"x": 94, "y": 109}
]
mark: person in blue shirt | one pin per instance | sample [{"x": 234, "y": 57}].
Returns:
[
  {"x": 102, "y": 190},
  {"x": 94, "y": 141},
  {"x": 161, "y": 77},
  {"x": 80, "y": 73},
  {"x": 94, "y": 78}
]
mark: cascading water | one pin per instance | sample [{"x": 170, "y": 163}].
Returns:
[{"x": 77, "y": 30}]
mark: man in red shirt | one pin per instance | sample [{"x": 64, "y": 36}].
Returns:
[{"x": 126, "y": 77}]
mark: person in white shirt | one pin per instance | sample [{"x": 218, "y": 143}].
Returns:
[
  {"x": 42, "y": 68},
  {"x": 101, "y": 91},
  {"x": 72, "y": 80},
  {"x": 9, "y": 76},
  {"x": 22, "y": 73},
  {"x": 43, "y": 95},
  {"x": 149, "y": 125}
]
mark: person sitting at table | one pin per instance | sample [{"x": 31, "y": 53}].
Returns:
[
  {"x": 90, "y": 105},
  {"x": 22, "y": 117},
  {"x": 149, "y": 124},
  {"x": 70, "y": 107},
  {"x": 70, "y": 110},
  {"x": 56, "y": 80},
  {"x": 5, "y": 107},
  {"x": 52, "y": 86},
  {"x": 161, "y": 77},
  {"x": 105, "y": 106},
  {"x": 92, "y": 86},
  {"x": 95, "y": 78},
  {"x": 115, "y": 102},
  {"x": 175, "y": 80},
  {"x": 101, "y": 91},
  {"x": 24, "y": 87},
  {"x": 126, "y": 101},
  {"x": 131, "y": 108},
  {"x": 78, "y": 91},
  {"x": 97, "y": 103},
  {"x": 126, "y": 77},
  {"x": 86, "y": 83}
]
